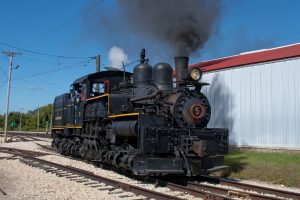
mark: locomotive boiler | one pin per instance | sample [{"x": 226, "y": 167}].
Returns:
[{"x": 144, "y": 122}]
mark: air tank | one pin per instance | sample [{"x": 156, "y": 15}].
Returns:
[
  {"x": 125, "y": 128},
  {"x": 162, "y": 76},
  {"x": 142, "y": 74}
]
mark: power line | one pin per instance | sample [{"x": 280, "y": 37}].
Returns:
[
  {"x": 9, "y": 24},
  {"x": 51, "y": 71},
  {"x": 46, "y": 72},
  {"x": 98, "y": 38},
  {"x": 42, "y": 81},
  {"x": 67, "y": 22},
  {"x": 2, "y": 70},
  {"x": 54, "y": 30},
  {"x": 3, "y": 83},
  {"x": 28, "y": 88},
  {"x": 58, "y": 62},
  {"x": 41, "y": 53},
  {"x": 39, "y": 61}
]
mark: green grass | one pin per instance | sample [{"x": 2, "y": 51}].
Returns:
[{"x": 276, "y": 167}]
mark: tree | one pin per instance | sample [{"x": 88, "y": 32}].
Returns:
[{"x": 29, "y": 119}]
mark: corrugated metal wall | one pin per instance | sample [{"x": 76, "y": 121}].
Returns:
[{"x": 258, "y": 103}]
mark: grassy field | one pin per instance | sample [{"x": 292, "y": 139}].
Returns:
[{"x": 276, "y": 167}]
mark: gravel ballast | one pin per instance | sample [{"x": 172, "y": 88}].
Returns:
[
  {"x": 25, "y": 182},
  {"x": 32, "y": 183},
  {"x": 48, "y": 186}
]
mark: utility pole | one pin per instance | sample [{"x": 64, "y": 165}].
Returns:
[
  {"x": 11, "y": 55},
  {"x": 97, "y": 69},
  {"x": 47, "y": 122},
  {"x": 97, "y": 63},
  {"x": 46, "y": 127},
  {"x": 21, "y": 122},
  {"x": 38, "y": 120},
  {"x": 21, "y": 119},
  {"x": 51, "y": 119}
]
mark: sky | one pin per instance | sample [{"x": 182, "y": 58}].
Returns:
[{"x": 58, "y": 40}]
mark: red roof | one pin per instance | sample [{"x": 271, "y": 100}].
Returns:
[{"x": 250, "y": 58}]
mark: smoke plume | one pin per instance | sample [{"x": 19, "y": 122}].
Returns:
[
  {"x": 185, "y": 25},
  {"x": 116, "y": 56}
]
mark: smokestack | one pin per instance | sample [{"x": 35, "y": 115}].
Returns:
[{"x": 181, "y": 63}]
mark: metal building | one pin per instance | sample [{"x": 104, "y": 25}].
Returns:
[{"x": 257, "y": 96}]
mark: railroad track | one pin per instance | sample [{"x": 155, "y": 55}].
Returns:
[
  {"x": 93, "y": 180},
  {"x": 257, "y": 188},
  {"x": 229, "y": 188},
  {"x": 87, "y": 178},
  {"x": 222, "y": 190},
  {"x": 237, "y": 190},
  {"x": 46, "y": 147},
  {"x": 29, "y": 134},
  {"x": 21, "y": 152}
]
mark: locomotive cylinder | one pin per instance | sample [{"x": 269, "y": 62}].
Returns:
[
  {"x": 125, "y": 128},
  {"x": 181, "y": 64}
]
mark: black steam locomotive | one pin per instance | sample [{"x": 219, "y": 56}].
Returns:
[{"x": 140, "y": 122}]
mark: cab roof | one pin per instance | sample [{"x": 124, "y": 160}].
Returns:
[{"x": 101, "y": 76}]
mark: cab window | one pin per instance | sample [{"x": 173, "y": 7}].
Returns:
[{"x": 103, "y": 88}]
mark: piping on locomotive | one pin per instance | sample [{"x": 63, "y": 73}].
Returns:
[{"x": 140, "y": 122}]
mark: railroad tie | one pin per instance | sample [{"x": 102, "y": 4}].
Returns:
[
  {"x": 126, "y": 195},
  {"x": 2, "y": 191},
  {"x": 82, "y": 181},
  {"x": 237, "y": 194},
  {"x": 116, "y": 191},
  {"x": 91, "y": 183},
  {"x": 72, "y": 176},
  {"x": 109, "y": 188}
]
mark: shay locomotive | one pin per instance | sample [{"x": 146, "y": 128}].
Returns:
[{"x": 140, "y": 122}]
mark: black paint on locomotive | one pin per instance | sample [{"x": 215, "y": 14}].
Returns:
[{"x": 142, "y": 125}]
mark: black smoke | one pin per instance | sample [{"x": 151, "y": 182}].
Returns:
[{"x": 185, "y": 25}]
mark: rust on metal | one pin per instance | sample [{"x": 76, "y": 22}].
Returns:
[
  {"x": 197, "y": 111},
  {"x": 199, "y": 148}
]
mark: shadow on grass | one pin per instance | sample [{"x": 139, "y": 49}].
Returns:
[{"x": 236, "y": 164}]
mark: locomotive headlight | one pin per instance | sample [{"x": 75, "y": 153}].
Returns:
[{"x": 196, "y": 74}]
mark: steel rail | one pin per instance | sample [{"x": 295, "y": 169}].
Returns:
[
  {"x": 233, "y": 192},
  {"x": 47, "y": 148},
  {"x": 30, "y": 156},
  {"x": 22, "y": 152},
  {"x": 206, "y": 191},
  {"x": 101, "y": 179},
  {"x": 252, "y": 187},
  {"x": 262, "y": 189},
  {"x": 16, "y": 133}
]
